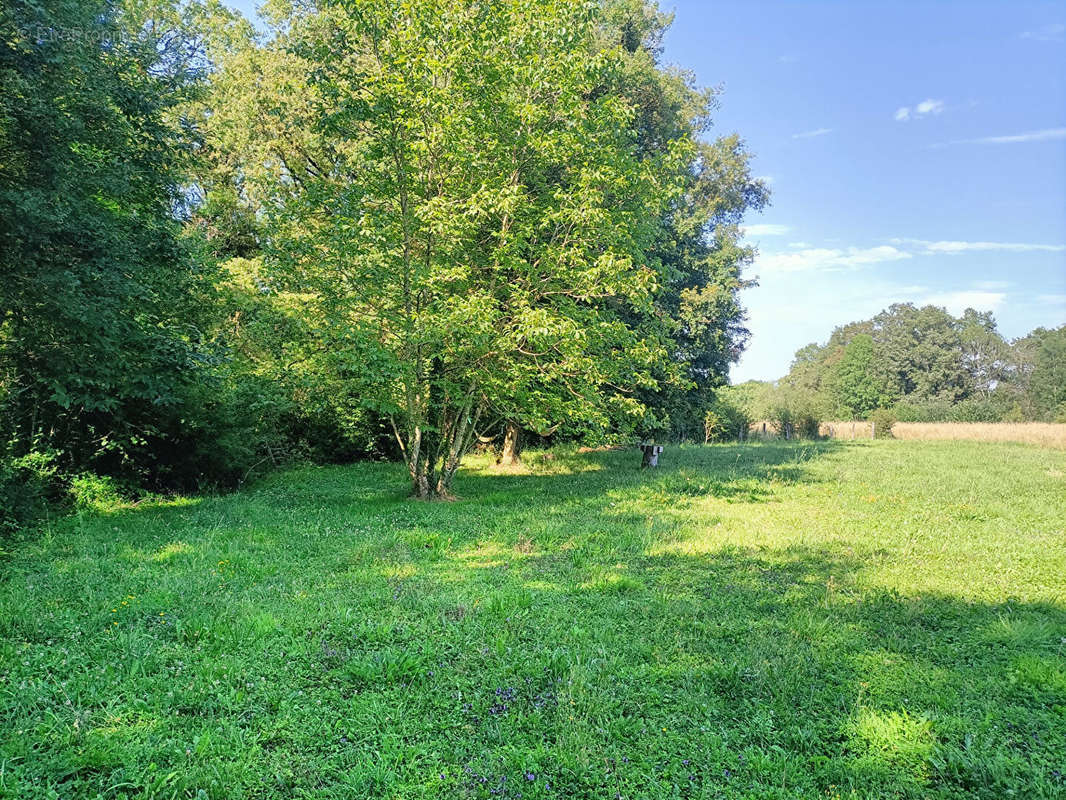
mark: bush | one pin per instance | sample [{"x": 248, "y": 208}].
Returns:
[
  {"x": 801, "y": 421},
  {"x": 29, "y": 486},
  {"x": 724, "y": 421},
  {"x": 883, "y": 419},
  {"x": 94, "y": 492}
]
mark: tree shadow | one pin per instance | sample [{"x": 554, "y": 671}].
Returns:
[
  {"x": 318, "y": 635},
  {"x": 769, "y": 670}
]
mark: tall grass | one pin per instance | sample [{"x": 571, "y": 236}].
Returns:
[{"x": 1045, "y": 434}]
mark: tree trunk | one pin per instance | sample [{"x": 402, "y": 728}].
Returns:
[{"x": 512, "y": 445}]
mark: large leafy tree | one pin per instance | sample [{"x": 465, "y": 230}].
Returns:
[
  {"x": 98, "y": 298},
  {"x": 470, "y": 216},
  {"x": 700, "y": 246},
  {"x": 1041, "y": 371},
  {"x": 919, "y": 353},
  {"x": 855, "y": 387}
]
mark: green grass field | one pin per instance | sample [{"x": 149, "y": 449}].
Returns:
[{"x": 868, "y": 619}]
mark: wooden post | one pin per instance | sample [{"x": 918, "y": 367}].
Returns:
[{"x": 873, "y": 429}]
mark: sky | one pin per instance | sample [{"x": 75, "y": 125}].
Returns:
[{"x": 916, "y": 152}]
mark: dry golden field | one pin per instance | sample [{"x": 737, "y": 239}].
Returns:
[{"x": 1046, "y": 434}]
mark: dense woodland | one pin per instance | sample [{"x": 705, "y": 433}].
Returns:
[{"x": 376, "y": 230}]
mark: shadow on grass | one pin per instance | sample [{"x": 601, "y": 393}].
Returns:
[
  {"x": 319, "y": 636},
  {"x": 746, "y": 671}
]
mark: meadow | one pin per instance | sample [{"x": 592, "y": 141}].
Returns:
[
  {"x": 833, "y": 619},
  {"x": 1045, "y": 434}
]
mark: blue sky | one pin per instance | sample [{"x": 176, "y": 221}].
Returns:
[{"x": 916, "y": 153}]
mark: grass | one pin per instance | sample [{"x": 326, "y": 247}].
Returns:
[
  {"x": 1044, "y": 434},
  {"x": 773, "y": 620}
]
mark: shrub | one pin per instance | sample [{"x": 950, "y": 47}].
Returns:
[
  {"x": 29, "y": 485},
  {"x": 883, "y": 419},
  {"x": 94, "y": 492},
  {"x": 724, "y": 421}
]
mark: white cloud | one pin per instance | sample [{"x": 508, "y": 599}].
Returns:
[
  {"x": 803, "y": 257},
  {"x": 767, "y": 179},
  {"x": 824, "y": 259},
  {"x": 812, "y": 134},
  {"x": 764, "y": 229},
  {"x": 929, "y": 106},
  {"x": 968, "y": 247},
  {"x": 1016, "y": 138},
  {"x": 958, "y": 301},
  {"x": 1046, "y": 33},
  {"x": 991, "y": 285},
  {"x": 1051, "y": 299}
]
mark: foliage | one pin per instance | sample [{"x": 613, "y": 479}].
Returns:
[
  {"x": 101, "y": 302},
  {"x": 883, "y": 419},
  {"x": 795, "y": 412},
  {"x": 494, "y": 256},
  {"x": 1047, "y": 379},
  {"x": 724, "y": 420},
  {"x": 856, "y": 389},
  {"x": 812, "y": 614},
  {"x": 928, "y": 366},
  {"x": 30, "y": 486},
  {"x": 222, "y": 252}
]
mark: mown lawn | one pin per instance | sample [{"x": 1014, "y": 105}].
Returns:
[{"x": 868, "y": 619}]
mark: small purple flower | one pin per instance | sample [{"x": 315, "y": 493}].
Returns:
[{"x": 530, "y": 776}]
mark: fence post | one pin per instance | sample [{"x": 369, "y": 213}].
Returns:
[{"x": 873, "y": 429}]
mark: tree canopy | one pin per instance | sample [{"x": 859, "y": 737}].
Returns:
[{"x": 377, "y": 229}]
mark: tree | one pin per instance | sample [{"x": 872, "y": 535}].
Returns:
[
  {"x": 856, "y": 389},
  {"x": 919, "y": 353},
  {"x": 1047, "y": 382},
  {"x": 475, "y": 233},
  {"x": 98, "y": 297},
  {"x": 985, "y": 355}
]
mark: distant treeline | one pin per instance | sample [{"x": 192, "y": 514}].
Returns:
[
  {"x": 379, "y": 230},
  {"x": 911, "y": 364}
]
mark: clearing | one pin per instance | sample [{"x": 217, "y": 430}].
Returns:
[{"x": 768, "y": 620}]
